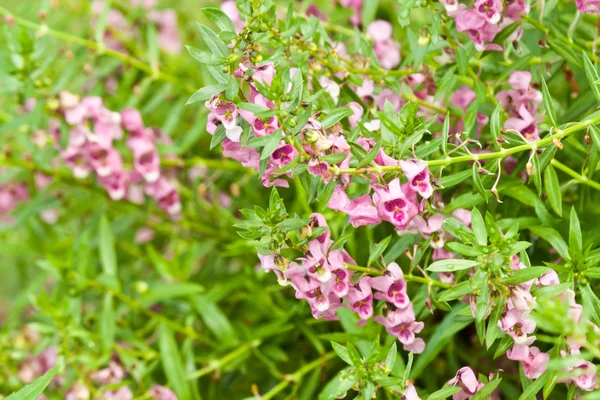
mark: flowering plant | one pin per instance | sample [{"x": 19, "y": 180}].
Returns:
[{"x": 316, "y": 200}]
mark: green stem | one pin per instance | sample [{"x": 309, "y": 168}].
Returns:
[
  {"x": 216, "y": 364},
  {"x": 579, "y": 178},
  {"x": 408, "y": 278},
  {"x": 560, "y": 134},
  {"x": 296, "y": 376},
  {"x": 98, "y": 48}
]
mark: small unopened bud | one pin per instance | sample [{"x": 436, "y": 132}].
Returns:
[
  {"x": 42, "y": 15},
  {"x": 588, "y": 140},
  {"x": 312, "y": 136},
  {"x": 306, "y": 232},
  {"x": 141, "y": 287},
  {"x": 424, "y": 37},
  {"x": 9, "y": 19},
  {"x": 87, "y": 69},
  {"x": 234, "y": 188},
  {"x": 68, "y": 100},
  {"x": 529, "y": 168},
  {"x": 202, "y": 190},
  {"x": 557, "y": 143},
  {"x": 53, "y": 104},
  {"x": 495, "y": 193},
  {"x": 69, "y": 55}
]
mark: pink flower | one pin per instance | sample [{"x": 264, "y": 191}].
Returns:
[
  {"x": 467, "y": 380},
  {"x": 247, "y": 156},
  {"x": 524, "y": 124},
  {"x": 392, "y": 287},
  {"x": 418, "y": 177},
  {"x": 386, "y": 49},
  {"x": 357, "y": 110},
  {"x": 115, "y": 184},
  {"x": 145, "y": 159},
  {"x": 588, "y": 6},
  {"x": 517, "y": 325},
  {"x": 340, "y": 283},
  {"x": 165, "y": 194},
  {"x": 162, "y": 393},
  {"x": 463, "y": 97},
  {"x": 360, "y": 299},
  {"x": 411, "y": 393},
  {"x": 535, "y": 364},
  {"x": 131, "y": 119},
  {"x": 402, "y": 325},
  {"x": 123, "y": 393},
  {"x": 462, "y": 215},
  {"x": 491, "y": 10},
  {"x": 78, "y": 391},
  {"x": 521, "y": 299},
  {"x": 112, "y": 374},
  {"x": 361, "y": 210},
  {"x": 393, "y": 205},
  {"x": 37, "y": 366},
  {"x": 586, "y": 377}
]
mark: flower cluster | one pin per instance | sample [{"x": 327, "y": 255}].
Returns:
[
  {"x": 91, "y": 147},
  {"x": 486, "y": 19},
  {"x": 32, "y": 367},
  {"x": 521, "y": 102},
  {"x": 168, "y": 37},
  {"x": 325, "y": 279}
]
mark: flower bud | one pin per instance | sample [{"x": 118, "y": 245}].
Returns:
[
  {"x": 306, "y": 232},
  {"x": 424, "y": 37},
  {"x": 557, "y": 143},
  {"x": 312, "y": 136},
  {"x": 529, "y": 168},
  {"x": 141, "y": 287},
  {"x": 68, "y": 100}
]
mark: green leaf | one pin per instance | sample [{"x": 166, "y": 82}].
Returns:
[
  {"x": 172, "y": 363},
  {"x": 102, "y": 22},
  {"x": 213, "y": 42},
  {"x": 487, "y": 390},
  {"x": 167, "y": 291},
  {"x": 483, "y": 298},
  {"x": 293, "y": 223},
  {"x": 219, "y": 18},
  {"x": 456, "y": 292},
  {"x": 217, "y": 137},
  {"x": 554, "y": 238},
  {"x": 108, "y": 257},
  {"x": 233, "y": 88},
  {"x": 334, "y": 158},
  {"x": 107, "y": 323},
  {"x": 35, "y": 388},
  {"x": 478, "y": 226},
  {"x": 451, "y": 265},
  {"x": 575, "y": 238},
  {"x": 354, "y": 355},
  {"x": 535, "y": 387},
  {"x": 370, "y": 155},
  {"x": 342, "y": 352},
  {"x": 548, "y": 104},
  {"x": 595, "y": 134},
  {"x": 592, "y": 76},
  {"x": 379, "y": 249},
  {"x": 271, "y": 145},
  {"x": 214, "y": 319},
  {"x": 296, "y": 91},
  {"x": 536, "y": 174},
  {"x": 462, "y": 61},
  {"x": 334, "y": 116},
  {"x": 525, "y": 274},
  {"x": 369, "y": 10},
  {"x": 444, "y": 393},
  {"x": 390, "y": 359},
  {"x": 492, "y": 328},
  {"x": 553, "y": 190},
  {"x": 204, "y": 57},
  {"x": 206, "y": 93},
  {"x": 445, "y": 133}
]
